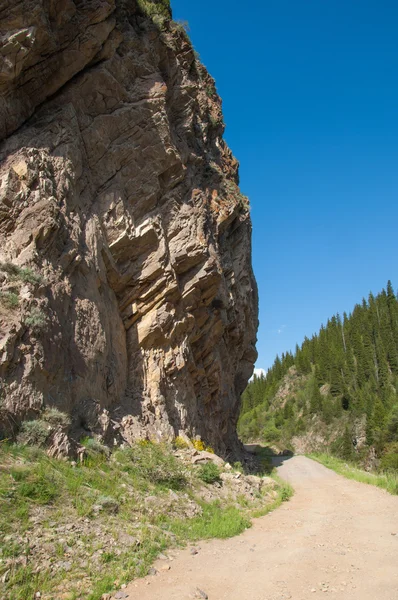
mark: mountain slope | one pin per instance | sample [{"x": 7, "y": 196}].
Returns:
[{"x": 337, "y": 391}]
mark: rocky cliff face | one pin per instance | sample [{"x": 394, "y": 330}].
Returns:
[{"x": 127, "y": 295}]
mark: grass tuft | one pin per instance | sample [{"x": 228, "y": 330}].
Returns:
[
  {"x": 209, "y": 473},
  {"x": 215, "y": 522}
]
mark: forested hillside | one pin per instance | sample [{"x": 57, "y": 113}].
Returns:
[{"x": 337, "y": 391}]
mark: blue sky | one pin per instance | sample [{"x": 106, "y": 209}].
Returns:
[{"x": 310, "y": 99}]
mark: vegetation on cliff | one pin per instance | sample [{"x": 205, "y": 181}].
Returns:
[{"x": 339, "y": 389}]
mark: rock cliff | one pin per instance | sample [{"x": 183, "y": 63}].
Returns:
[{"x": 127, "y": 295}]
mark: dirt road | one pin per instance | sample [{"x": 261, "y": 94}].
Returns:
[{"x": 334, "y": 539}]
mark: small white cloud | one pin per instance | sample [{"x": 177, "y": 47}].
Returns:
[
  {"x": 281, "y": 329},
  {"x": 258, "y": 373}
]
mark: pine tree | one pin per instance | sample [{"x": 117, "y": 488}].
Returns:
[
  {"x": 347, "y": 448},
  {"x": 316, "y": 398}
]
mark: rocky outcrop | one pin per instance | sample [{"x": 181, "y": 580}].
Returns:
[{"x": 128, "y": 299}]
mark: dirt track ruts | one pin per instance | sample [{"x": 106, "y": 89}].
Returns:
[{"x": 334, "y": 539}]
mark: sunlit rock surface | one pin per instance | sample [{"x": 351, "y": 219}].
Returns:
[{"x": 118, "y": 189}]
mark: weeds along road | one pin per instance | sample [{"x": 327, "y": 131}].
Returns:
[{"x": 334, "y": 539}]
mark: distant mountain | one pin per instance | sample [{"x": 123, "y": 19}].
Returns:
[{"x": 338, "y": 391}]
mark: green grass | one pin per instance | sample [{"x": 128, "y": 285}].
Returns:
[
  {"x": 61, "y": 492},
  {"x": 214, "y": 522},
  {"x": 387, "y": 481}
]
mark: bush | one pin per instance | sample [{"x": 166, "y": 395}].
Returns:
[
  {"x": 389, "y": 460},
  {"x": 36, "y": 319},
  {"x": 215, "y": 121},
  {"x": 182, "y": 24},
  {"x": 237, "y": 466},
  {"x": 209, "y": 473},
  {"x": 29, "y": 276},
  {"x": 9, "y": 299},
  {"x": 180, "y": 444},
  {"x": 270, "y": 432},
  {"x": 56, "y": 418},
  {"x": 160, "y": 22},
  {"x": 25, "y": 274},
  {"x": 210, "y": 92},
  {"x": 34, "y": 433},
  {"x": 94, "y": 447},
  {"x": 199, "y": 445},
  {"x": 9, "y": 268},
  {"x": 154, "y": 463},
  {"x": 153, "y": 8},
  {"x": 182, "y": 27},
  {"x": 286, "y": 491},
  {"x": 108, "y": 504}
]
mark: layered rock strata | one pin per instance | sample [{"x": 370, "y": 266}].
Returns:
[{"x": 127, "y": 295}]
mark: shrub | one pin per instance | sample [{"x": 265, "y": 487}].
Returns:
[
  {"x": 270, "y": 432},
  {"x": 209, "y": 473},
  {"x": 36, "y": 319},
  {"x": 160, "y": 22},
  {"x": 198, "y": 445},
  {"x": 153, "y": 8},
  {"x": 210, "y": 91},
  {"x": 108, "y": 504},
  {"x": 154, "y": 463},
  {"x": 10, "y": 269},
  {"x": 9, "y": 299},
  {"x": 183, "y": 24},
  {"x": 34, "y": 433},
  {"x": 214, "y": 121},
  {"x": 25, "y": 274},
  {"x": 94, "y": 447},
  {"x": 180, "y": 443},
  {"x": 29, "y": 276},
  {"x": 286, "y": 491},
  {"x": 182, "y": 27},
  {"x": 389, "y": 460},
  {"x": 56, "y": 418},
  {"x": 237, "y": 466}
]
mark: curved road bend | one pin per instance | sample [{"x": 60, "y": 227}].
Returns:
[{"x": 334, "y": 539}]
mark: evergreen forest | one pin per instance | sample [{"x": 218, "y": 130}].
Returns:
[{"x": 338, "y": 390}]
